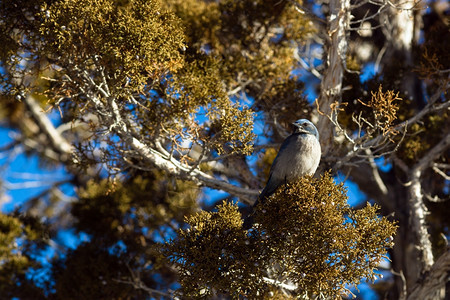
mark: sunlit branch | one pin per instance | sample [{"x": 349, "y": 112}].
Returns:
[
  {"x": 376, "y": 174},
  {"x": 368, "y": 17},
  {"x": 289, "y": 287},
  {"x": 158, "y": 156},
  {"x": 58, "y": 142},
  {"x": 331, "y": 85},
  {"x": 417, "y": 207},
  {"x": 437, "y": 168},
  {"x": 418, "y": 212},
  {"x": 303, "y": 10}
]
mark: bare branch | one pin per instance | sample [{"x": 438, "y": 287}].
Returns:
[
  {"x": 436, "y": 167},
  {"x": 376, "y": 175},
  {"x": 10, "y": 146},
  {"x": 368, "y": 17},
  {"x": 379, "y": 144},
  {"x": 137, "y": 283},
  {"x": 437, "y": 150},
  {"x": 416, "y": 205},
  {"x": 418, "y": 212},
  {"x": 176, "y": 168},
  {"x": 58, "y": 142},
  {"x": 404, "y": 289}
]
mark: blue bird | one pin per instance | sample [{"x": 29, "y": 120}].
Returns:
[{"x": 299, "y": 155}]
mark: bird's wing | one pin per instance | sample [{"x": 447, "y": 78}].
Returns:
[
  {"x": 275, "y": 180},
  {"x": 271, "y": 186}
]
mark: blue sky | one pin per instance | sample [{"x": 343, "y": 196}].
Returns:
[{"x": 24, "y": 177}]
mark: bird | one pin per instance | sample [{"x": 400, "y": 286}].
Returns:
[{"x": 299, "y": 155}]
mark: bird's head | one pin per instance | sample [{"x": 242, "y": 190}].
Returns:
[{"x": 305, "y": 126}]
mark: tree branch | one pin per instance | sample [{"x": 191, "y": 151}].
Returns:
[
  {"x": 433, "y": 281},
  {"x": 425, "y": 161},
  {"x": 362, "y": 143},
  {"x": 158, "y": 156},
  {"x": 58, "y": 142},
  {"x": 417, "y": 207},
  {"x": 418, "y": 212},
  {"x": 331, "y": 86},
  {"x": 176, "y": 168}
]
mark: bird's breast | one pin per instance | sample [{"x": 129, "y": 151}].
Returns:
[{"x": 304, "y": 158}]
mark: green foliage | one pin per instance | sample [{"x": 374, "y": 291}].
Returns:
[
  {"x": 133, "y": 41},
  {"x": 306, "y": 234},
  {"x": 21, "y": 238},
  {"x": 15, "y": 16},
  {"x": 198, "y": 83},
  {"x": 168, "y": 65},
  {"x": 138, "y": 49},
  {"x": 213, "y": 254},
  {"x": 89, "y": 272},
  {"x": 131, "y": 211},
  {"x": 422, "y": 137},
  {"x": 433, "y": 53},
  {"x": 125, "y": 222},
  {"x": 18, "y": 40},
  {"x": 10, "y": 256},
  {"x": 255, "y": 56},
  {"x": 201, "y": 20},
  {"x": 254, "y": 42}
]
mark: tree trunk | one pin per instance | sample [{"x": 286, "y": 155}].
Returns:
[{"x": 331, "y": 86}]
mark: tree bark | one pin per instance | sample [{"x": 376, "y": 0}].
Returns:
[
  {"x": 331, "y": 85},
  {"x": 432, "y": 286}
]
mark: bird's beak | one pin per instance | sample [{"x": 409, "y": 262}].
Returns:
[{"x": 298, "y": 127}]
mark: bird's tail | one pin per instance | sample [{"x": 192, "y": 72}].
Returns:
[{"x": 250, "y": 220}]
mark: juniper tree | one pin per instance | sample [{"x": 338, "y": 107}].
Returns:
[{"x": 151, "y": 105}]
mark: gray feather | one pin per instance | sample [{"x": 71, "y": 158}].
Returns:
[{"x": 299, "y": 155}]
